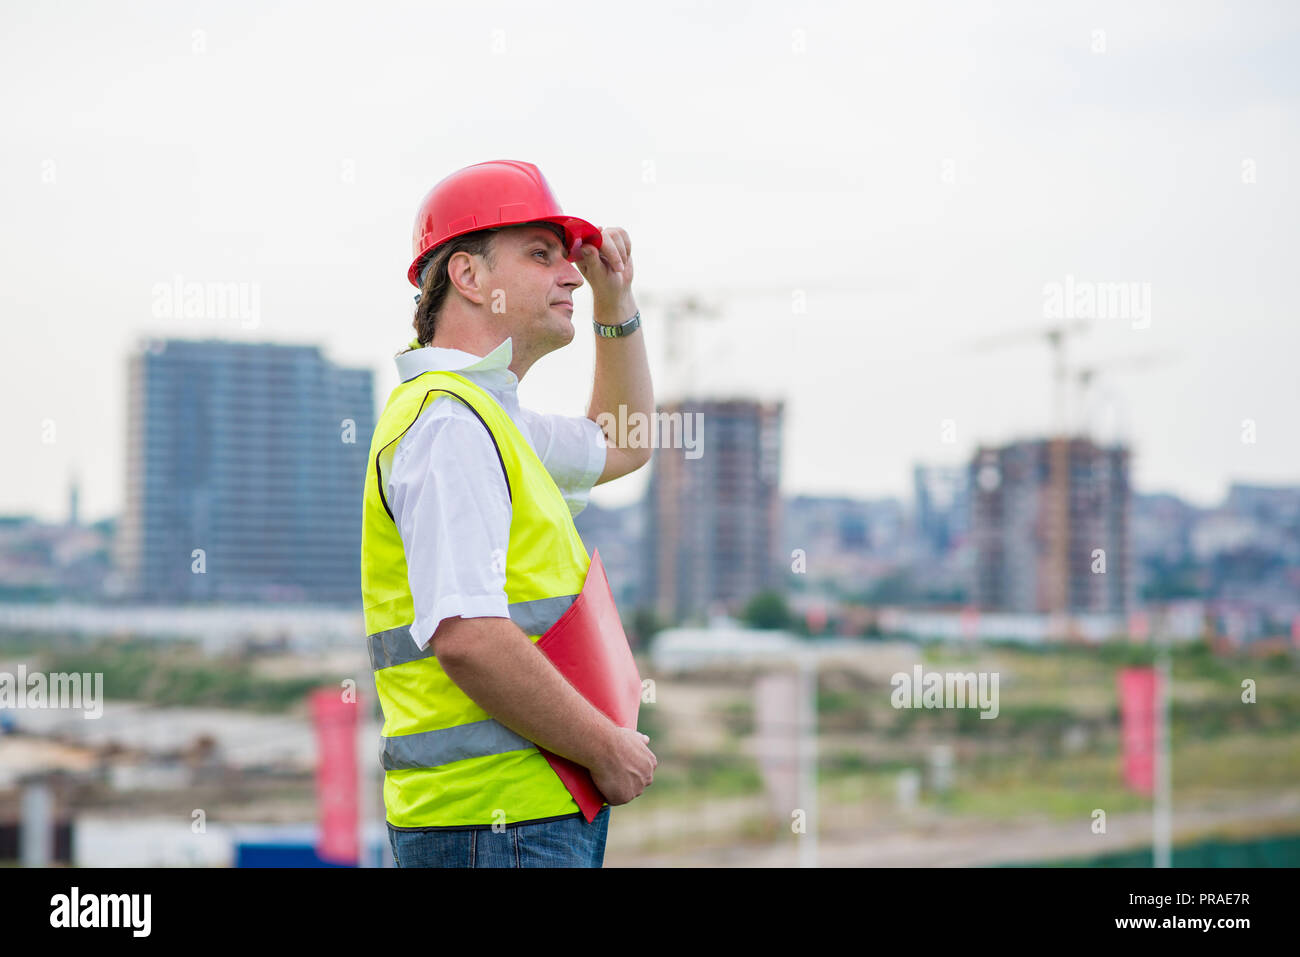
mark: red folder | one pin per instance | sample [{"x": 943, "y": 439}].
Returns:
[{"x": 587, "y": 645}]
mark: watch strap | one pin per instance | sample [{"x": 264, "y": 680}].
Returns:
[{"x": 613, "y": 332}]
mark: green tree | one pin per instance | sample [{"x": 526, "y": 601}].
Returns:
[
  {"x": 642, "y": 628},
  {"x": 767, "y": 609}
]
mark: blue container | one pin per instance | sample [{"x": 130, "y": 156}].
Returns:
[{"x": 280, "y": 855}]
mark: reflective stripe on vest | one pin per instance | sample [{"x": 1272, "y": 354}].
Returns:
[
  {"x": 431, "y": 749},
  {"x": 395, "y": 646}
]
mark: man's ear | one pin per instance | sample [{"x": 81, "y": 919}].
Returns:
[{"x": 464, "y": 273}]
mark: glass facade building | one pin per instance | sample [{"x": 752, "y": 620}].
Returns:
[{"x": 245, "y": 469}]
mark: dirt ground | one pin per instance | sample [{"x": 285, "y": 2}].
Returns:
[{"x": 935, "y": 842}]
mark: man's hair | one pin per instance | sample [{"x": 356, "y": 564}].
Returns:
[
  {"x": 437, "y": 283},
  {"x": 433, "y": 291}
]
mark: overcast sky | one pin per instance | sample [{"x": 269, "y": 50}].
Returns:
[{"x": 924, "y": 174}]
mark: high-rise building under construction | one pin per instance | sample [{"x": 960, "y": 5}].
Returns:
[
  {"x": 1050, "y": 523},
  {"x": 713, "y": 527}
]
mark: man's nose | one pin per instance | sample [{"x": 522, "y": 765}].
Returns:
[{"x": 572, "y": 277}]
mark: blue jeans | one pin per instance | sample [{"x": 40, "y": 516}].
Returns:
[{"x": 568, "y": 842}]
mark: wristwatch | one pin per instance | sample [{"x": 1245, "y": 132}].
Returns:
[{"x": 613, "y": 332}]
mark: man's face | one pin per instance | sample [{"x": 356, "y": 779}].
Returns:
[{"x": 536, "y": 282}]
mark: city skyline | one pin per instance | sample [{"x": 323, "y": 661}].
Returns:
[{"x": 76, "y": 480}]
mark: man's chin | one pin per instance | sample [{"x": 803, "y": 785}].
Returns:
[{"x": 562, "y": 336}]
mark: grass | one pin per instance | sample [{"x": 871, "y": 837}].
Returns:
[
  {"x": 1237, "y": 762},
  {"x": 1015, "y": 802},
  {"x": 1018, "y": 764},
  {"x": 709, "y": 775},
  {"x": 164, "y": 675}
]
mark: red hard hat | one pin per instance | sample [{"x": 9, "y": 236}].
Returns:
[{"x": 496, "y": 193}]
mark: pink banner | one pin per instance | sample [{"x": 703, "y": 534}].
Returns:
[
  {"x": 336, "y": 776},
  {"x": 1137, "y": 706},
  {"x": 970, "y": 622}
]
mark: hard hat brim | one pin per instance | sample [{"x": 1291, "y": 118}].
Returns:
[{"x": 577, "y": 233}]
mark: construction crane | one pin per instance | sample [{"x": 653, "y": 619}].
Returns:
[
  {"x": 683, "y": 309},
  {"x": 1085, "y": 376},
  {"x": 1055, "y": 335},
  {"x": 1055, "y": 497},
  {"x": 680, "y": 311}
]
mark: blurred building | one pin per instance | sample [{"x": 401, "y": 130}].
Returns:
[
  {"x": 55, "y": 561},
  {"x": 1275, "y": 506},
  {"x": 1041, "y": 510},
  {"x": 1250, "y": 548},
  {"x": 48, "y": 561},
  {"x": 245, "y": 469},
  {"x": 618, "y": 533},
  {"x": 942, "y": 514},
  {"x": 847, "y": 544},
  {"x": 824, "y": 525},
  {"x": 1252, "y": 516},
  {"x": 714, "y": 514},
  {"x": 1162, "y": 527},
  {"x": 844, "y": 526}
]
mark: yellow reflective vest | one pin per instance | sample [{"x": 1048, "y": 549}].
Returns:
[{"x": 446, "y": 762}]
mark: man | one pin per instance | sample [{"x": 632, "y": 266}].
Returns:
[{"x": 469, "y": 552}]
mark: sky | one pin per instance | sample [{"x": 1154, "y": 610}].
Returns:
[{"x": 862, "y": 191}]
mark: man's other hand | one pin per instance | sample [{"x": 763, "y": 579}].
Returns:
[{"x": 628, "y": 767}]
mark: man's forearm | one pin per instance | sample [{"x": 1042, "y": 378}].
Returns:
[
  {"x": 495, "y": 664},
  {"x": 622, "y": 376}
]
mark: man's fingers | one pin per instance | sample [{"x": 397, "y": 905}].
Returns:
[{"x": 613, "y": 248}]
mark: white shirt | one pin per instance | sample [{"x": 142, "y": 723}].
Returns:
[{"x": 448, "y": 493}]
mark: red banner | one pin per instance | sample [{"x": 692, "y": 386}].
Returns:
[
  {"x": 1137, "y": 706},
  {"x": 336, "y": 776}
]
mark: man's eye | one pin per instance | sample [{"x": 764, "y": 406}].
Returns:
[{"x": 540, "y": 252}]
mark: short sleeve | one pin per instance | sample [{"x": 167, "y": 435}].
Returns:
[
  {"x": 572, "y": 448},
  {"x": 452, "y": 508}
]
